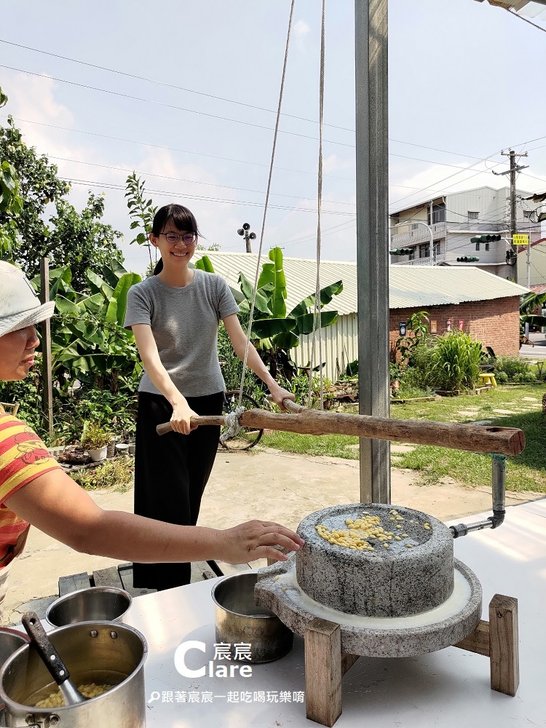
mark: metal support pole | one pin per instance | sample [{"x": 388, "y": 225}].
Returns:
[{"x": 372, "y": 239}]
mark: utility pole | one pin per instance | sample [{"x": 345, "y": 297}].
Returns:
[
  {"x": 248, "y": 236},
  {"x": 514, "y": 168}
]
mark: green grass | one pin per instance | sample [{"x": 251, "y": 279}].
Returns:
[{"x": 525, "y": 472}]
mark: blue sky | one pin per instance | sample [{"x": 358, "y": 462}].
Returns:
[{"x": 465, "y": 82}]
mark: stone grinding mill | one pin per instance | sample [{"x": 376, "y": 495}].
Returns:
[{"x": 380, "y": 580}]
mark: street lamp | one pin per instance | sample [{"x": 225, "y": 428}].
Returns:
[
  {"x": 420, "y": 222},
  {"x": 248, "y": 236}
]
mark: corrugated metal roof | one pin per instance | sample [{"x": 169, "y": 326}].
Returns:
[{"x": 410, "y": 286}]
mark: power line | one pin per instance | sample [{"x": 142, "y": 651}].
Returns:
[
  {"x": 204, "y": 198},
  {"x": 132, "y": 97},
  {"x": 435, "y": 149},
  {"x": 166, "y": 148},
  {"x": 191, "y": 181},
  {"x": 164, "y": 104},
  {"x": 187, "y": 151},
  {"x": 168, "y": 85},
  {"x": 213, "y": 96}
]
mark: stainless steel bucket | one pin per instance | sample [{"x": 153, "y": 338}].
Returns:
[
  {"x": 239, "y": 619},
  {"x": 96, "y": 603},
  {"x": 99, "y": 652}
]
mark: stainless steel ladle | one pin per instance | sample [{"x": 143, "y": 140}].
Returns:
[{"x": 50, "y": 658}]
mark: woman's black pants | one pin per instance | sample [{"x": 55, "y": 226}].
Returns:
[{"x": 171, "y": 473}]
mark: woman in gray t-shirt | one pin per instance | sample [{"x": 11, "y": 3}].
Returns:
[{"x": 174, "y": 316}]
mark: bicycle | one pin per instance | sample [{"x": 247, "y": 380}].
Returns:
[{"x": 247, "y": 437}]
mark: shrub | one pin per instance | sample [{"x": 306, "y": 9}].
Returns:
[
  {"x": 115, "y": 412},
  {"x": 299, "y": 386},
  {"x": 523, "y": 377},
  {"x": 413, "y": 383},
  {"x": 455, "y": 361},
  {"x": 26, "y": 394},
  {"x": 117, "y": 473},
  {"x": 512, "y": 366}
]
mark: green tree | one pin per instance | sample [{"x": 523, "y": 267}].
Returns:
[
  {"x": 68, "y": 237},
  {"x": 11, "y": 202},
  {"x": 81, "y": 241},
  {"x": 141, "y": 212},
  {"x": 39, "y": 185}
]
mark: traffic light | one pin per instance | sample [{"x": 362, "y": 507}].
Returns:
[
  {"x": 511, "y": 257},
  {"x": 485, "y": 239},
  {"x": 467, "y": 259},
  {"x": 400, "y": 251}
]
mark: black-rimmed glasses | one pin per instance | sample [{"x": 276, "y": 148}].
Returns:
[{"x": 186, "y": 238}]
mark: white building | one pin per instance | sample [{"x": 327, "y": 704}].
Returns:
[{"x": 438, "y": 231}]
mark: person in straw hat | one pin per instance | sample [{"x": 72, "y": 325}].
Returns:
[{"x": 34, "y": 490}]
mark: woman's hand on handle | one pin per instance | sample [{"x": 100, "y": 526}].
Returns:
[
  {"x": 180, "y": 418},
  {"x": 258, "y": 540},
  {"x": 279, "y": 394}
]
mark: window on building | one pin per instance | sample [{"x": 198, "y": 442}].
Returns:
[
  {"x": 473, "y": 216},
  {"x": 437, "y": 248},
  {"x": 438, "y": 213},
  {"x": 411, "y": 256},
  {"x": 424, "y": 250}
]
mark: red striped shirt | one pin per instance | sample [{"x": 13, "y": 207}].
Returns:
[{"x": 23, "y": 457}]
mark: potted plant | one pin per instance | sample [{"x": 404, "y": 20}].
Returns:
[{"x": 95, "y": 440}]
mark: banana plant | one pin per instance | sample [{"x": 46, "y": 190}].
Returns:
[
  {"x": 274, "y": 330},
  {"x": 89, "y": 343}
]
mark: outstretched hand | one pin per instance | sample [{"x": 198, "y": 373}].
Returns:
[{"x": 257, "y": 540}]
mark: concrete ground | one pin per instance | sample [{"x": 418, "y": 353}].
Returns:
[
  {"x": 536, "y": 349},
  {"x": 244, "y": 485}
]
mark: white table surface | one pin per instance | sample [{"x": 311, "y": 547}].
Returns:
[{"x": 448, "y": 689}]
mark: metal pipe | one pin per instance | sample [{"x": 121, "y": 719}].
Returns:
[{"x": 498, "y": 487}]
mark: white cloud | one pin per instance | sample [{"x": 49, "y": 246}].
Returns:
[{"x": 300, "y": 31}]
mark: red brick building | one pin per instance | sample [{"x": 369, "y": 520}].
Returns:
[{"x": 494, "y": 322}]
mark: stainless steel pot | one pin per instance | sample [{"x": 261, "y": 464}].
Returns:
[
  {"x": 10, "y": 641},
  {"x": 96, "y": 603},
  {"x": 99, "y": 652},
  {"x": 239, "y": 619}
]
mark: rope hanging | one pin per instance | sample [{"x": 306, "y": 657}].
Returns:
[
  {"x": 266, "y": 203},
  {"x": 316, "y": 313},
  {"x": 232, "y": 427}
]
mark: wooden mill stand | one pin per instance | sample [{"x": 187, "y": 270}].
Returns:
[{"x": 325, "y": 663}]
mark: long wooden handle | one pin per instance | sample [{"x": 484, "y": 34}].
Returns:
[
  {"x": 200, "y": 421},
  {"x": 474, "y": 438}
]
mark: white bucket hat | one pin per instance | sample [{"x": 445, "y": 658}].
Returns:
[{"x": 19, "y": 305}]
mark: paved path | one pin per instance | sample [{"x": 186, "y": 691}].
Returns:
[{"x": 244, "y": 485}]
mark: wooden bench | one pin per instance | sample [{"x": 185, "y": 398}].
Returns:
[{"x": 122, "y": 576}]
